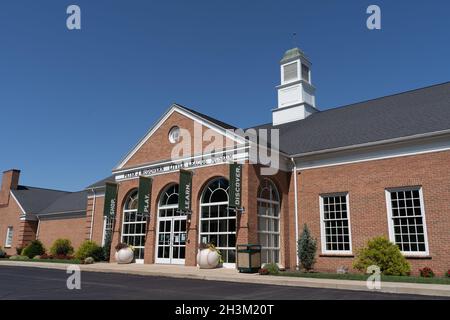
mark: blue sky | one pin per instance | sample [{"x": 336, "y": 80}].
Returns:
[{"x": 73, "y": 103}]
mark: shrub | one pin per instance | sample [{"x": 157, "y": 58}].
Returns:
[
  {"x": 2, "y": 253},
  {"x": 89, "y": 260},
  {"x": 307, "y": 247},
  {"x": 384, "y": 254},
  {"x": 61, "y": 247},
  {"x": 19, "y": 250},
  {"x": 89, "y": 249},
  {"x": 37, "y": 257},
  {"x": 35, "y": 248},
  {"x": 272, "y": 268},
  {"x": 448, "y": 273},
  {"x": 426, "y": 272},
  {"x": 121, "y": 245}
]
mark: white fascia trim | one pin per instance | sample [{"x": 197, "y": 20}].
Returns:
[
  {"x": 396, "y": 153},
  {"x": 376, "y": 143},
  {"x": 96, "y": 196},
  {"x": 63, "y": 212},
  {"x": 18, "y": 203},
  {"x": 190, "y": 115}
]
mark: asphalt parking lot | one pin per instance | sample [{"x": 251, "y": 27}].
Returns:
[{"x": 19, "y": 283}]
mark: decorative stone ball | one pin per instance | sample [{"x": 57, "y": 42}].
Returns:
[
  {"x": 124, "y": 255},
  {"x": 207, "y": 259}
]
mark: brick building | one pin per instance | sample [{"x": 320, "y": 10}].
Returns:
[{"x": 379, "y": 167}]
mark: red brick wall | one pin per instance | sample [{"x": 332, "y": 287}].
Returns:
[
  {"x": 160, "y": 182},
  {"x": 281, "y": 181},
  {"x": 97, "y": 224},
  {"x": 10, "y": 216},
  {"x": 68, "y": 228},
  {"x": 366, "y": 182},
  {"x": 158, "y": 147}
]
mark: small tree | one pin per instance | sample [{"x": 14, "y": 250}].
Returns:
[
  {"x": 107, "y": 246},
  {"x": 384, "y": 254},
  {"x": 307, "y": 247},
  {"x": 89, "y": 249},
  {"x": 35, "y": 248},
  {"x": 61, "y": 247}
]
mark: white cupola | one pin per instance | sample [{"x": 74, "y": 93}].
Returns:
[{"x": 296, "y": 94}]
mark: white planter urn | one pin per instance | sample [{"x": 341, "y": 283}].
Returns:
[
  {"x": 207, "y": 259},
  {"x": 124, "y": 255}
]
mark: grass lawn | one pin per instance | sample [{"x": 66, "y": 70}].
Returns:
[
  {"x": 363, "y": 277},
  {"x": 73, "y": 261}
]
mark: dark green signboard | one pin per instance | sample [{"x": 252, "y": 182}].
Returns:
[
  {"x": 145, "y": 191},
  {"x": 110, "y": 205},
  {"x": 235, "y": 185},
  {"x": 185, "y": 194}
]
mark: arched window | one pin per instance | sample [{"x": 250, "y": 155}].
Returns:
[
  {"x": 134, "y": 227},
  {"x": 269, "y": 222},
  {"x": 217, "y": 223},
  {"x": 171, "y": 241},
  {"x": 168, "y": 202}
]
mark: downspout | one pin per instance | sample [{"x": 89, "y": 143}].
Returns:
[
  {"x": 93, "y": 214},
  {"x": 38, "y": 227},
  {"x": 296, "y": 210}
]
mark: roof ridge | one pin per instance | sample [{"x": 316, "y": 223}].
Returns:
[
  {"x": 356, "y": 103},
  {"x": 48, "y": 189},
  {"x": 386, "y": 96},
  {"x": 206, "y": 116}
]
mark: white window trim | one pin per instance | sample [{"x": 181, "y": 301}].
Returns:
[
  {"x": 9, "y": 232},
  {"x": 391, "y": 225},
  {"x": 322, "y": 225}
]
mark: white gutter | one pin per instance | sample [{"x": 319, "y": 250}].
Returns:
[
  {"x": 93, "y": 214},
  {"x": 56, "y": 213},
  {"x": 294, "y": 170},
  {"x": 375, "y": 143}
]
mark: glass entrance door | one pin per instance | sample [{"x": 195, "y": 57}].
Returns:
[{"x": 171, "y": 242}]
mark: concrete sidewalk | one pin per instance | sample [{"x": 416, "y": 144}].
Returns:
[{"x": 233, "y": 275}]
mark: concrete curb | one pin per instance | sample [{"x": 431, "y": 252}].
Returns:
[{"x": 233, "y": 276}]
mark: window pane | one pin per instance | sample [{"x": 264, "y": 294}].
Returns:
[
  {"x": 337, "y": 234},
  {"x": 268, "y": 221},
  {"x": 407, "y": 220},
  {"x": 218, "y": 224}
]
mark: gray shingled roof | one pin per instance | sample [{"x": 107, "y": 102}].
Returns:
[
  {"x": 33, "y": 200},
  {"x": 206, "y": 117},
  {"x": 101, "y": 183},
  {"x": 67, "y": 203},
  {"x": 419, "y": 111}
]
